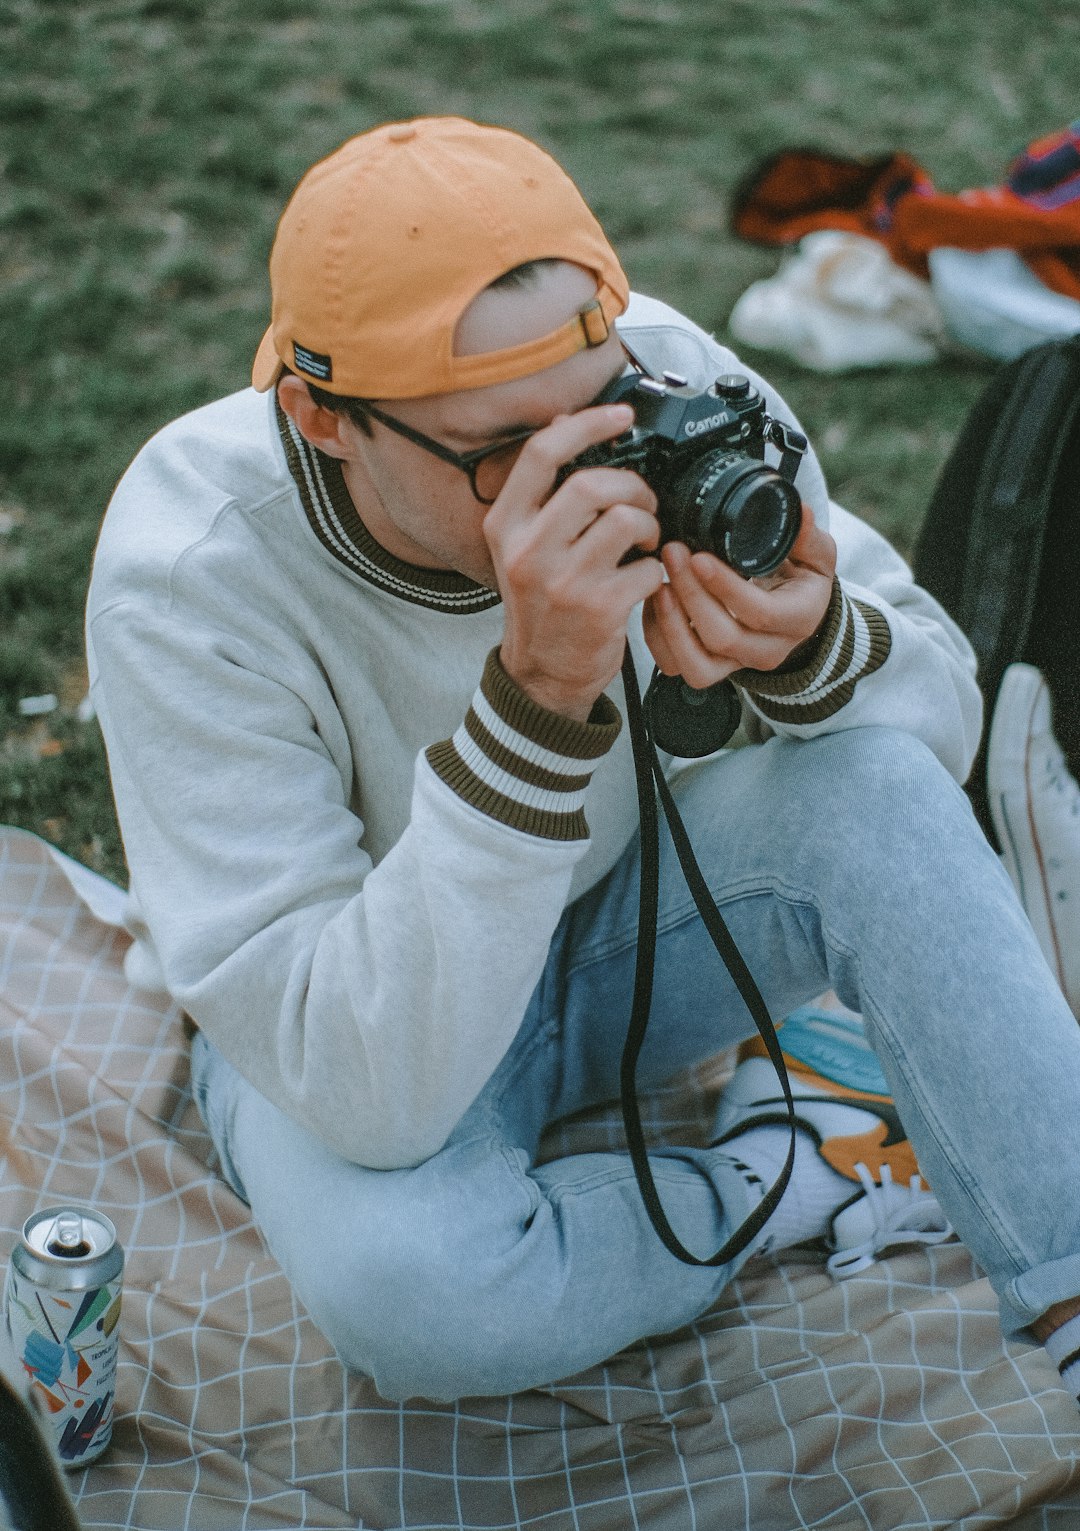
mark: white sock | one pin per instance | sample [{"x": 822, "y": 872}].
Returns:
[
  {"x": 813, "y": 1193},
  {"x": 1063, "y": 1348}
]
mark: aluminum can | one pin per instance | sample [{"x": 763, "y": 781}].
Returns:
[{"x": 62, "y": 1306}]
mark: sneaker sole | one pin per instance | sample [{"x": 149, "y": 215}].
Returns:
[{"x": 1011, "y": 812}]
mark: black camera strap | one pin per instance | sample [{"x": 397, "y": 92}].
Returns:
[{"x": 652, "y": 783}]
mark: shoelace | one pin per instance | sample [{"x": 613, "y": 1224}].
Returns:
[
  {"x": 1060, "y": 780},
  {"x": 1057, "y": 777},
  {"x": 892, "y": 1212}
]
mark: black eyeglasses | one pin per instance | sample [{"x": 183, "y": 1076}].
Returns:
[{"x": 488, "y": 468}]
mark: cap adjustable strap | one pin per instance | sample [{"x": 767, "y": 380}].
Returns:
[{"x": 588, "y": 328}]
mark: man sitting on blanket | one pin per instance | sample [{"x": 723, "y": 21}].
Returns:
[{"x": 355, "y": 650}]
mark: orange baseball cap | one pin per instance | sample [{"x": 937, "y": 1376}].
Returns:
[{"x": 386, "y": 242}]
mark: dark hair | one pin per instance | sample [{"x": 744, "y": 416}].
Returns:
[
  {"x": 340, "y": 404},
  {"x": 523, "y": 275},
  {"x": 518, "y": 276}
]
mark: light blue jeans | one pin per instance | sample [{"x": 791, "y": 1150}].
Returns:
[{"x": 852, "y": 862}]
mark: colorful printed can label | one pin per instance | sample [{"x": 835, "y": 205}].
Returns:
[{"x": 62, "y": 1303}]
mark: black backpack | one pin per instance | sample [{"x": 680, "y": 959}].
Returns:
[{"x": 1000, "y": 544}]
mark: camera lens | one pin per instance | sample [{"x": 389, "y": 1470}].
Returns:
[{"x": 739, "y": 509}]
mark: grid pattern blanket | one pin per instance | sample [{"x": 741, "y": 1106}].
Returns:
[{"x": 888, "y": 1401}]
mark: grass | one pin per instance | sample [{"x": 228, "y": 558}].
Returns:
[{"x": 147, "y": 146}]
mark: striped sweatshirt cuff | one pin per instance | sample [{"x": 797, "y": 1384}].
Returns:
[
  {"x": 1063, "y": 1348},
  {"x": 854, "y": 641},
  {"x": 519, "y": 763}
]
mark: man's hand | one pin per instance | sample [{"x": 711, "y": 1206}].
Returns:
[
  {"x": 708, "y": 621},
  {"x": 558, "y": 560}
]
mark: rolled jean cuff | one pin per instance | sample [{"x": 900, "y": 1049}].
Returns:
[{"x": 1026, "y": 1298}]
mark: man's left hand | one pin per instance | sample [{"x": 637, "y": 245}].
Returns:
[{"x": 707, "y": 621}]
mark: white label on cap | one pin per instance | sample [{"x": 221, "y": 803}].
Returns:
[{"x": 311, "y": 361}]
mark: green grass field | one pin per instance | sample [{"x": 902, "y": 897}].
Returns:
[{"x": 147, "y": 146}]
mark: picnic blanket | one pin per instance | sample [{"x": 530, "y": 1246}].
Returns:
[{"x": 884, "y": 1402}]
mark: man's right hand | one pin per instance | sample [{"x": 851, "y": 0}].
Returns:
[{"x": 559, "y": 562}]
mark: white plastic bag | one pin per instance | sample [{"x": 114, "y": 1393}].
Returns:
[
  {"x": 838, "y": 303},
  {"x": 993, "y": 302}
]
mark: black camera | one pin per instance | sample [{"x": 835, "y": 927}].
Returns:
[{"x": 702, "y": 455}]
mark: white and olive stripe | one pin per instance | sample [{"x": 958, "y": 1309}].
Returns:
[
  {"x": 334, "y": 519},
  {"x": 855, "y": 641},
  {"x": 519, "y": 763},
  {"x": 1063, "y": 1348}
]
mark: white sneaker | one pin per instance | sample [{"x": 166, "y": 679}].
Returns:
[
  {"x": 842, "y": 1103},
  {"x": 1035, "y": 809}
]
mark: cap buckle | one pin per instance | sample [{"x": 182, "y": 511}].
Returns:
[{"x": 594, "y": 325}]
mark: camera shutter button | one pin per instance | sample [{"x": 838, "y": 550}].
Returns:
[{"x": 734, "y": 386}]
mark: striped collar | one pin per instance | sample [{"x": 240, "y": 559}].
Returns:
[{"x": 333, "y": 518}]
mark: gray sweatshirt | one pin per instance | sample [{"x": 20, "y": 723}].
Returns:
[{"x": 350, "y": 836}]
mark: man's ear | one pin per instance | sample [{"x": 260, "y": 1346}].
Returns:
[{"x": 323, "y": 428}]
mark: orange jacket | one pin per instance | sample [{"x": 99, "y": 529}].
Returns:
[{"x": 892, "y": 198}]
